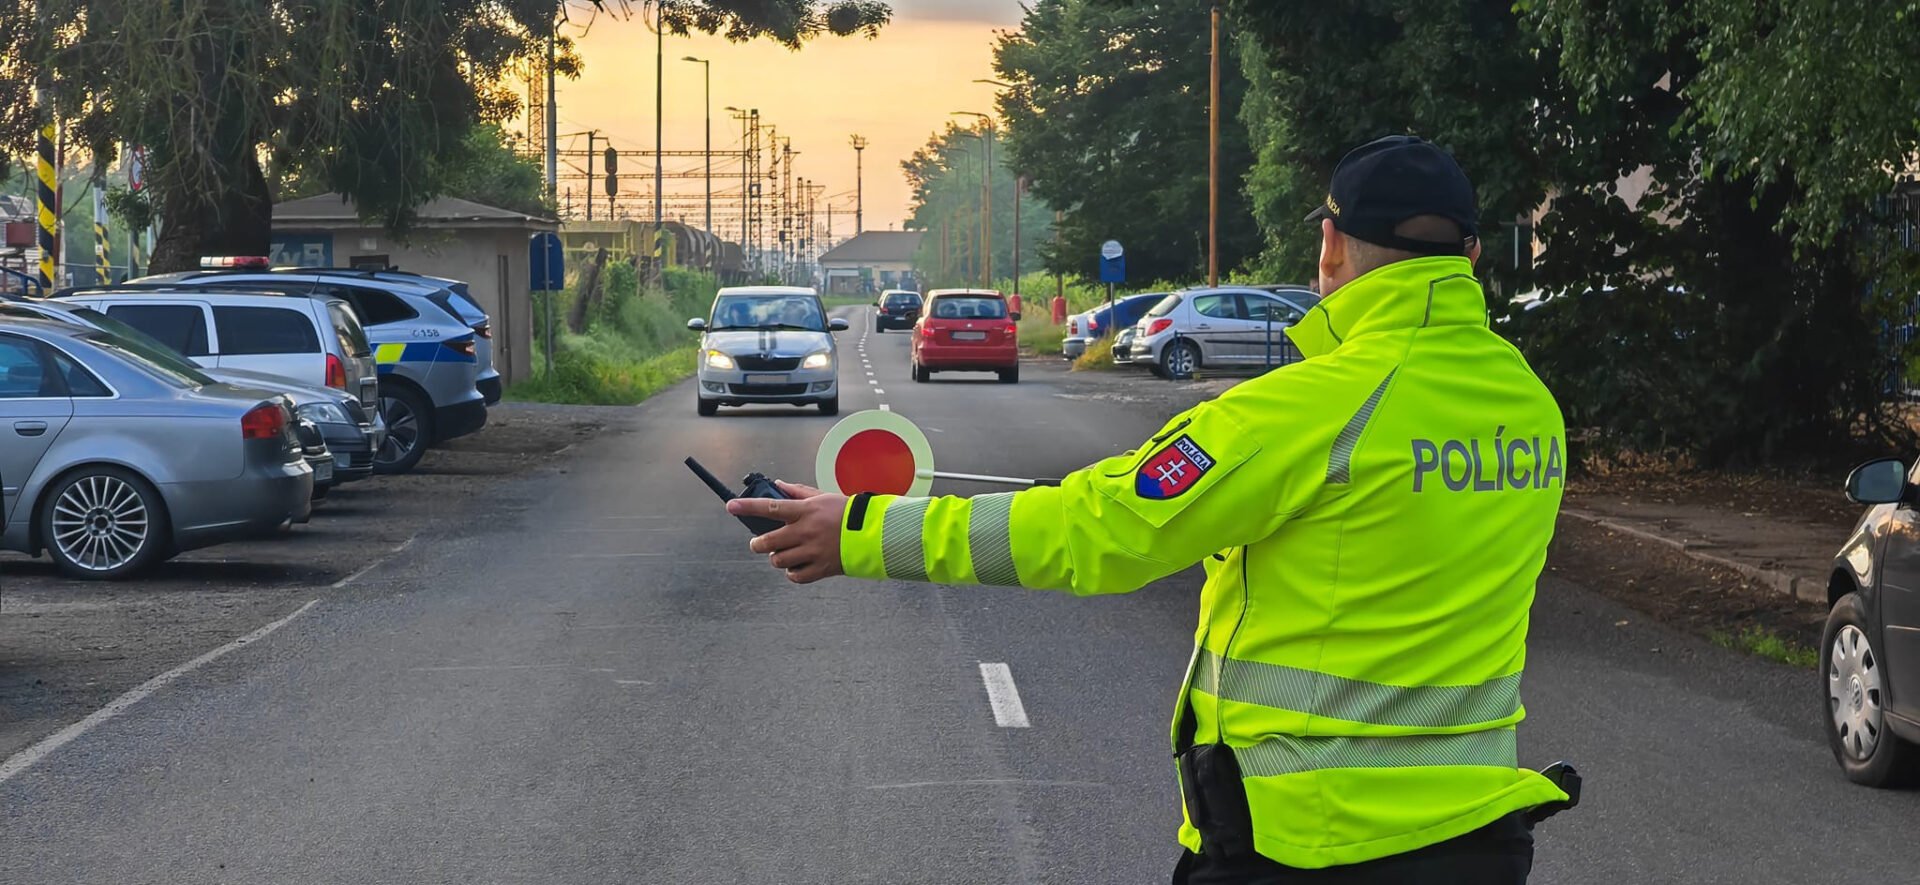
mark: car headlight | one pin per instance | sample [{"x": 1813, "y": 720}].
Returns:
[
  {"x": 718, "y": 360},
  {"x": 821, "y": 360},
  {"x": 323, "y": 413}
]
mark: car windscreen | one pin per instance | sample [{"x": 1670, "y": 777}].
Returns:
[
  {"x": 139, "y": 342},
  {"x": 1166, "y": 306},
  {"x": 799, "y": 312},
  {"x": 181, "y": 377},
  {"x": 961, "y": 307},
  {"x": 903, "y": 301}
]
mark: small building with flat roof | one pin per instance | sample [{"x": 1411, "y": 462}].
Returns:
[{"x": 871, "y": 262}]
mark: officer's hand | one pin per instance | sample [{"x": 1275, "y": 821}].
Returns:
[{"x": 808, "y": 549}]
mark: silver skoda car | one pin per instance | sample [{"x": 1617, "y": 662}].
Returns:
[{"x": 768, "y": 344}]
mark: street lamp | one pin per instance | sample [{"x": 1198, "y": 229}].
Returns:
[
  {"x": 986, "y": 213},
  {"x": 859, "y": 184},
  {"x": 1019, "y": 186},
  {"x": 708, "y": 66}
]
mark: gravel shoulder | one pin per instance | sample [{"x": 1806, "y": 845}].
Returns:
[{"x": 68, "y": 647}]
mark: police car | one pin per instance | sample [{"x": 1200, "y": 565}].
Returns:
[{"x": 427, "y": 357}]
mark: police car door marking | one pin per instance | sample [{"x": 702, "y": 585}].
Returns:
[{"x": 1172, "y": 470}]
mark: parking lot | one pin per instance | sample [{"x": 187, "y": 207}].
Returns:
[{"x": 69, "y": 647}]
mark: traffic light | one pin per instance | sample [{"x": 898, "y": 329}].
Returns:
[{"x": 613, "y": 169}]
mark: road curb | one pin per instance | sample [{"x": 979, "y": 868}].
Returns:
[{"x": 1775, "y": 580}]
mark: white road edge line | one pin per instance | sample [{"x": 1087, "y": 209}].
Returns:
[
  {"x": 26, "y": 758},
  {"x": 1003, "y": 696},
  {"x": 375, "y": 564}
]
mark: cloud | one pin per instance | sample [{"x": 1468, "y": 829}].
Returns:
[{"x": 997, "y": 12}]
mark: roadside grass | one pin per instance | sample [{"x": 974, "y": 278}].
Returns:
[
  {"x": 1099, "y": 355},
  {"x": 635, "y": 344},
  {"x": 1765, "y": 643}
]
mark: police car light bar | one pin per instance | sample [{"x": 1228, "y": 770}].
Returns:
[{"x": 228, "y": 262}]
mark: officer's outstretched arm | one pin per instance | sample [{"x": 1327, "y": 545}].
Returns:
[{"x": 1206, "y": 482}]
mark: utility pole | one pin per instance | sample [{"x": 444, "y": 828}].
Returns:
[
  {"x": 1019, "y": 186},
  {"x": 859, "y": 184},
  {"x": 590, "y": 136},
  {"x": 659, "y": 125},
  {"x": 1213, "y": 160},
  {"x": 553, "y": 112}
]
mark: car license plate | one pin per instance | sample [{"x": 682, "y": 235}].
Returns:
[
  {"x": 322, "y": 472},
  {"x": 969, "y": 336},
  {"x": 766, "y": 379}
]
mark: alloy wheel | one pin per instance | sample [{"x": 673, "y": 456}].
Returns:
[
  {"x": 403, "y": 429},
  {"x": 1854, "y": 693},
  {"x": 100, "y": 523}
]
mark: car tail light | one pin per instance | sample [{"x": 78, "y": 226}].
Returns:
[
  {"x": 484, "y": 330},
  {"x": 1160, "y": 325},
  {"x": 926, "y": 330},
  {"x": 264, "y": 422},
  {"x": 464, "y": 346},
  {"x": 1073, "y": 326},
  {"x": 1093, "y": 327},
  {"x": 1012, "y": 330},
  {"x": 336, "y": 373}
]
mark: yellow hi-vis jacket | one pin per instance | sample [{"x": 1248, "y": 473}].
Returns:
[{"x": 1380, "y": 513}]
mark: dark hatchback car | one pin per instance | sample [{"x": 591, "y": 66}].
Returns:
[
  {"x": 898, "y": 310},
  {"x": 1870, "y": 650}
]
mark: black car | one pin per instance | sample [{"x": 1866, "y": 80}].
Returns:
[
  {"x": 898, "y": 310},
  {"x": 1870, "y": 650}
]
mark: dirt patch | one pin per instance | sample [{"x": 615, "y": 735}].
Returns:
[
  {"x": 1813, "y": 500},
  {"x": 68, "y": 647},
  {"x": 1674, "y": 589}
]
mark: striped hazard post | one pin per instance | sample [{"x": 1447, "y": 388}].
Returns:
[
  {"x": 101, "y": 265},
  {"x": 46, "y": 190}
]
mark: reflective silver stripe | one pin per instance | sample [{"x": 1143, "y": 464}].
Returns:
[
  {"x": 902, "y": 552},
  {"x": 990, "y": 540},
  {"x": 1354, "y": 700},
  {"x": 1340, "y": 464},
  {"x": 1287, "y": 754}
]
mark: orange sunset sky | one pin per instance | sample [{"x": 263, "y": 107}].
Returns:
[{"x": 896, "y": 90}]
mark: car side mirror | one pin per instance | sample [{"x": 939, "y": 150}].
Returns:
[
  {"x": 836, "y": 325},
  {"x": 1878, "y": 482},
  {"x": 697, "y": 324},
  {"x": 1015, "y": 315}
]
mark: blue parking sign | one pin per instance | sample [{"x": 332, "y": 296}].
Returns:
[{"x": 547, "y": 261}]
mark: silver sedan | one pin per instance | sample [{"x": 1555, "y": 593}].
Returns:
[{"x": 112, "y": 462}]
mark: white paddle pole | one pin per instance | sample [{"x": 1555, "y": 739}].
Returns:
[{"x": 980, "y": 477}]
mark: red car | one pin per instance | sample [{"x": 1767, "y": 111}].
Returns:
[{"x": 966, "y": 330}]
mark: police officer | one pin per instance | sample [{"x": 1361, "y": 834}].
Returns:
[{"x": 1372, "y": 521}]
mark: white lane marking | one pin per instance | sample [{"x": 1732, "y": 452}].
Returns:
[
  {"x": 25, "y": 759},
  {"x": 873, "y": 382},
  {"x": 885, "y": 408},
  {"x": 1003, "y": 696},
  {"x": 615, "y": 555},
  {"x": 375, "y": 564},
  {"x": 631, "y": 682},
  {"x": 986, "y": 782},
  {"x": 869, "y": 374},
  {"x": 879, "y": 391},
  {"x": 482, "y": 668}
]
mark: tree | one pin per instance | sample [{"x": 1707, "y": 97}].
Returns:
[
  {"x": 1769, "y": 137},
  {"x": 1327, "y": 77},
  {"x": 374, "y": 97},
  {"x": 946, "y": 177},
  {"x": 1108, "y": 116}
]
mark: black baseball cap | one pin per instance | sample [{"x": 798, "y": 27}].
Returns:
[{"x": 1389, "y": 180}]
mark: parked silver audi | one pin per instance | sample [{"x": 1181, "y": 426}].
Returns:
[{"x": 112, "y": 462}]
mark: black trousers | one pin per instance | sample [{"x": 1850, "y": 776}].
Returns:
[{"x": 1500, "y": 853}]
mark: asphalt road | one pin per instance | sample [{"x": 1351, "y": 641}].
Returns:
[{"x": 605, "y": 686}]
